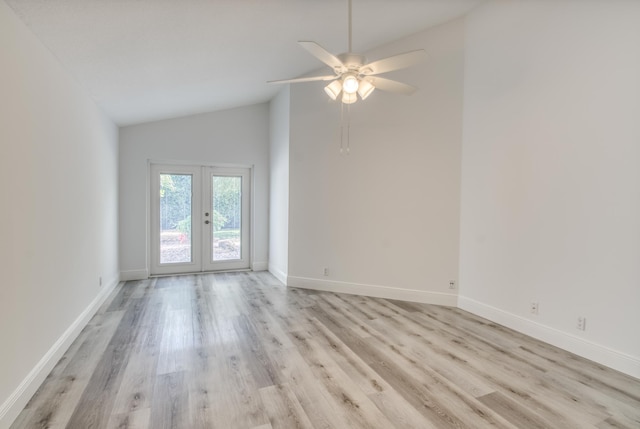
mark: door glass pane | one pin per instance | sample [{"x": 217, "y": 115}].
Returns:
[
  {"x": 227, "y": 217},
  {"x": 175, "y": 218}
]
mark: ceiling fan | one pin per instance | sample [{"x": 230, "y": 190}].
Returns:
[{"x": 353, "y": 75}]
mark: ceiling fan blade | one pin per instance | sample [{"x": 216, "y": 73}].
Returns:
[
  {"x": 391, "y": 85},
  {"x": 322, "y": 54},
  {"x": 305, "y": 79},
  {"x": 395, "y": 62}
]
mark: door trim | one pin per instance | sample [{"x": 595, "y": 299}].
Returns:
[
  {"x": 244, "y": 263},
  {"x": 179, "y": 165},
  {"x": 156, "y": 267}
]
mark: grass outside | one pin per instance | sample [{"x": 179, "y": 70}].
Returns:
[{"x": 227, "y": 234}]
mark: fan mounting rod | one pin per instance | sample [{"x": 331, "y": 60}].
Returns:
[{"x": 349, "y": 14}]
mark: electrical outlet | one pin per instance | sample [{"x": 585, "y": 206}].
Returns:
[
  {"x": 534, "y": 308},
  {"x": 582, "y": 323},
  {"x": 326, "y": 272},
  {"x": 452, "y": 284}
]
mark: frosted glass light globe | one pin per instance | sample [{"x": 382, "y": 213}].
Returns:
[{"x": 350, "y": 84}]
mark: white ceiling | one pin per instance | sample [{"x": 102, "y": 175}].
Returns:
[{"x": 145, "y": 60}]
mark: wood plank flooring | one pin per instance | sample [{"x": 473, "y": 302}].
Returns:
[{"x": 239, "y": 350}]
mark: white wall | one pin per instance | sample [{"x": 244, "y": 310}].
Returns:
[
  {"x": 279, "y": 185},
  {"x": 58, "y": 221},
  {"x": 551, "y": 177},
  {"x": 237, "y": 136},
  {"x": 384, "y": 220}
]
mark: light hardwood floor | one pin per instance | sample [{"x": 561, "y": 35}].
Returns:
[{"x": 239, "y": 350}]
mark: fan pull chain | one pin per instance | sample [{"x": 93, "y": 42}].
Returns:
[
  {"x": 341, "y": 127},
  {"x": 348, "y": 128},
  {"x": 342, "y": 121}
]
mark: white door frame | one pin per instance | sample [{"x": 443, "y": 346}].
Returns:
[
  {"x": 201, "y": 232},
  {"x": 208, "y": 264}
]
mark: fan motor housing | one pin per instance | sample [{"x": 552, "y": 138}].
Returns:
[{"x": 352, "y": 61}]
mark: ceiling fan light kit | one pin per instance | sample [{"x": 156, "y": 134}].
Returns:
[
  {"x": 353, "y": 76},
  {"x": 349, "y": 98},
  {"x": 333, "y": 89},
  {"x": 365, "y": 89},
  {"x": 350, "y": 84}
]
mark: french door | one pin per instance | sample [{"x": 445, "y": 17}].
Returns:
[{"x": 199, "y": 218}]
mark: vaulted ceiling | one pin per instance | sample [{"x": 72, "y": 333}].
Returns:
[{"x": 145, "y": 60}]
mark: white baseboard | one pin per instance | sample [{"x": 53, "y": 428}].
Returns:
[
  {"x": 260, "y": 266},
  {"x": 125, "y": 276},
  {"x": 279, "y": 274},
  {"x": 612, "y": 358},
  {"x": 426, "y": 297},
  {"x": 16, "y": 402}
]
